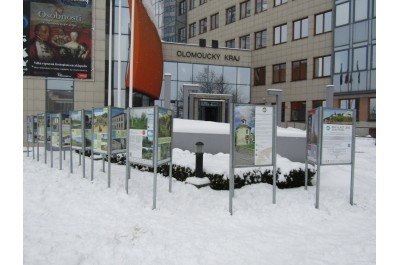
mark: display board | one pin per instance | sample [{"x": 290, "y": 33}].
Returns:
[
  {"x": 88, "y": 129},
  {"x": 48, "y": 128},
  {"x": 164, "y": 135},
  {"x": 76, "y": 129},
  {"x": 118, "y": 130},
  {"x": 337, "y": 136},
  {"x": 29, "y": 129},
  {"x": 141, "y": 135},
  {"x": 313, "y": 123},
  {"x": 41, "y": 127},
  {"x": 55, "y": 130},
  {"x": 35, "y": 128},
  {"x": 100, "y": 130},
  {"x": 253, "y": 135}
]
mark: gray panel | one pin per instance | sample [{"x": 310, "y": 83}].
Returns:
[
  {"x": 342, "y": 36},
  {"x": 360, "y": 32}
]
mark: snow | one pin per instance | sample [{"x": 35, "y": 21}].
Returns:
[
  {"x": 68, "y": 219},
  {"x": 209, "y": 127}
]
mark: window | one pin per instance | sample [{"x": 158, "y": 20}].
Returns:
[
  {"x": 59, "y": 96},
  {"x": 260, "y": 39},
  {"x": 351, "y": 104},
  {"x": 373, "y": 57},
  {"x": 280, "y": 34},
  {"x": 214, "y": 21},
  {"x": 230, "y": 43},
  {"x": 192, "y": 30},
  {"x": 231, "y": 15},
  {"x": 322, "y": 66},
  {"x": 323, "y": 22},
  {"x": 244, "y": 42},
  {"x": 203, "y": 26},
  {"x": 202, "y": 2},
  {"x": 280, "y": 2},
  {"x": 318, "y": 103},
  {"x": 279, "y": 73},
  {"x": 300, "y": 29},
  {"x": 299, "y": 70},
  {"x": 360, "y": 59},
  {"x": 298, "y": 111},
  {"x": 245, "y": 9},
  {"x": 342, "y": 14},
  {"x": 182, "y": 35},
  {"x": 341, "y": 61},
  {"x": 261, "y": 5},
  {"x": 259, "y": 76},
  {"x": 182, "y": 7},
  {"x": 372, "y": 109},
  {"x": 192, "y": 4},
  {"x": 360, "y": 10}
]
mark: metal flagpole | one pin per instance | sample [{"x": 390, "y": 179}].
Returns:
[
  {"x": 110, "y": 53},
  {"x": 155, "y": 156},
  {"x": 172, "y": 151},
  {"x": 353, "y": 151},
  {"x": 131, "y": 53},
  {"x": 319, "y": 154},
  {"x": 274, "y": 118},
  {"x": 119, "y": 51},
  {"x": 127, "y": 161},
  {"x": 51, "y": 143},
  {"x": 60, "y": 138},
  {"x": 83, "y": 134},
  {"x": 45, "y": 138},
  {"x": 109, "y": 144},
  {"x": 91, "y": 148},
  {"x": 70, "y": 146},
  {"x": 231, "y": 157}
]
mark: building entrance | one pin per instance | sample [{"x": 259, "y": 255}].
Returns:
[{"x": 211, "y": 110}]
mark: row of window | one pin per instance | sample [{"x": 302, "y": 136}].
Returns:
[
  {"x": 260, "y": 5},
  {"x": 360, "y": 11},
  {"x": 298, "y": 108},
  {"x": 322, "y": 68},
  {"x": 323, "y": 24}
]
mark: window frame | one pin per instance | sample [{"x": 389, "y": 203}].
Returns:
[
  {"x": 214, "y": 21},
  {"x": 280, "y": 34},
  {"x": 202, "y": 27},
  {"x": 240, "y": 42},
  {"x": 230, "y": 41},
  {"x": 202, "y": 2},
  {"x": 369, "y": 109},
  {"x": 280, "y": 2},
  {"x": 192, "y": 4},
  {"x": 323, "y": 22},
  {"x": 300, "y": 110},
  {"x": 246, "y": 6},
  {"x": 261, "y": 38},
  {"x": 300, "y": 73},
  {"x": 280, "y": 68},
  {"x": 356, "y": 104},
  {"x": 323, "y": 65},
  {"x": 229, "y": 11},
  {"x": 336, "y": 13},
  {"x": 182, "y": 7},
  {"x": 180, "y": 35},
  {"x": 256, "y": 10},
  {"x": 261, "y": 76},
  {"x": 192, "y": 30},
  {"x": 301, "y": 29}
]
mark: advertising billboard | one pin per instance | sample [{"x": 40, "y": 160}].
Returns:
[
  {"x": 100, "y": 130},
  {"x": 337, "y": 131},
  {"x": 253, "y": 135},
  {"x": 57, "y": 39},
  {"x": 29, "y": 125},
  {"x": 41, "y": 126},
  {"x": 88, "y": 128},
  {"x": 164, "y": 135},
  {"x": 118, "y": 130},
  {"x": 55, "y": 130},
  {"x": 312, "y": 134},
  {"x": 76, "y": 129}
]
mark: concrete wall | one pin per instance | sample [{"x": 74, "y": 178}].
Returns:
[{"x": 293, "y": 148}]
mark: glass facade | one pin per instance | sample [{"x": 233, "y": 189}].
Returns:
[{"x": 215, "y": 79}]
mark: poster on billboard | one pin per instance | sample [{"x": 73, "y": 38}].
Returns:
[
  {"x": 164, "y": 135},
  {"x": 35, "y": 128},
  {"x": 41, "y": 125},
  {"x": 118, "y": 130},
  {"x": 253, "y": 135},
  {"x": 57, "y": 39},
  {"x": 337, "y": 136},
  {"x": 100, "y": 130},
  {"x": 76, "y": 129},
  {"x": 55, "y": 130},
  {"x": 141, "y": 135},
  {"x": 29, "y": 129},
  {"x": 88, "y": 129},
  {"x": 312, "y": 134},
  {"x": 65, "y": 130}
]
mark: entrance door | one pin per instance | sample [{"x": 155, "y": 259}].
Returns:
[{"x": 210, "y": 110}]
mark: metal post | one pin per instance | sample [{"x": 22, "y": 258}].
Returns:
[
  {"x": 109, "y": 141},
  {"x": 51, "y": 143},
  {"x": 231, "y": 159},
  {"x": 60, "y": 138},
  {"x": 80, "y": 154},
  {"x": 83, "y": 141},
  {"x": 155, "y": 156},
  {"x": 306, "y": 176},
  {"x": 104, "y": 162},
  {"x": 110, "y": 55},
  {"x": 353, "y": 151},
  {"x": 131, "y": 53},
  {"x": 274, "y": 153},
  {"x": 45, "y": 138},
  {"x": 28, "y": 132},
  {"x": 172, "y": 151},
  {"x": 119, "y": 52},
  {"x": 167, "y": 90},
  {"x": 91, "y": 148},
  {"x": 329, "y": 95},
  {"x": 319, "y": 154},
  {"x": 127, "y": 161}
]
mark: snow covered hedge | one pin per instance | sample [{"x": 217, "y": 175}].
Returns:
[{"x": 289, "y": 174}]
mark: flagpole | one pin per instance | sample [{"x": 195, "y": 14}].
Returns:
[
  {"x": 131, "y": 53},
  {"x": 119, "y": 51},
  {"x": 110, "y": 53}
]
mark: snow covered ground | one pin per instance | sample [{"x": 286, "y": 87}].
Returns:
[{"x": 68, "y": 219}]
